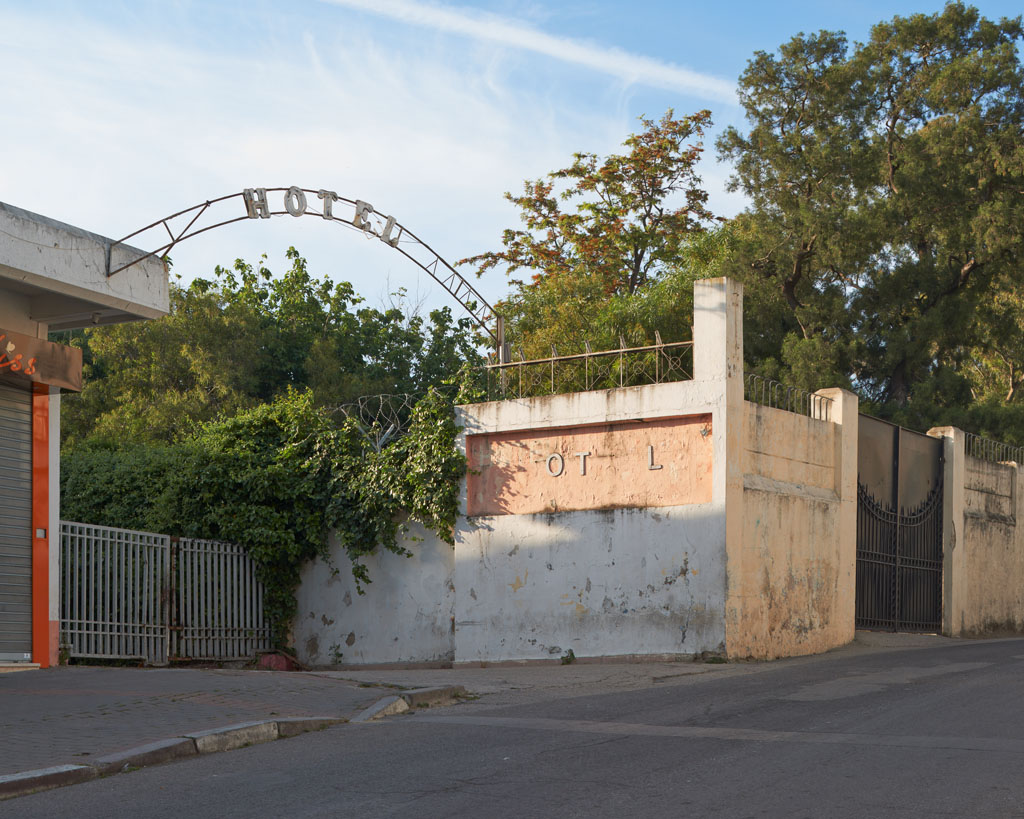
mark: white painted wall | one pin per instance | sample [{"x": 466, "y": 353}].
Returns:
[
  {"x": 405, "y": 615},
  {"x": 601, "y": 583},
  {"x": 14, "y": 314}
]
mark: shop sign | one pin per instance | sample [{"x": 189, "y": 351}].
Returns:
[{"x": 23, "y": 358}]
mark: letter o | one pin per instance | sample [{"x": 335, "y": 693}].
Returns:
[
  {"x": 561, "y": 465},
  {"x": 295, "y": 201}
]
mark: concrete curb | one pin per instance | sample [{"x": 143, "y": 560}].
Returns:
[
  {"x": 213, "y": 741},
  {"x": 21, "y": 783},
  {"x": 415, "y": 698}
]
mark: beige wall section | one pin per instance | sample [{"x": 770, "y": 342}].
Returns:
[
  {"x": 994, "y": 577},
  {"x": 983, "y": 554},
  {"x": 792, "y": 583}
]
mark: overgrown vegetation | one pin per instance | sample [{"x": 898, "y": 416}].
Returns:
[
  {"x": 278, "y": 479},
  {"x": 220, "y": 422},
  {"x": 880, "y": 251}
]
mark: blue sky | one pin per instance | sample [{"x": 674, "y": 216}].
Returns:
[{"x": 118, "y": 113}]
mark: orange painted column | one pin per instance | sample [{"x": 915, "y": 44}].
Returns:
[{"x": 43, "y": 641}]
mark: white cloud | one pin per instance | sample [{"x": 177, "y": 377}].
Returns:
[{"x": 629, "y": 68}]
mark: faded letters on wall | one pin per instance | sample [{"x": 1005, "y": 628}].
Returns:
[{"x": 666, "y": 462}]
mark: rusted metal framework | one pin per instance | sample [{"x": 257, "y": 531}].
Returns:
[{"x": 254, "y": 203}]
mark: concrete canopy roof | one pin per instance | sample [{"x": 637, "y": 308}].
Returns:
[{"x": 59, "y": 274}]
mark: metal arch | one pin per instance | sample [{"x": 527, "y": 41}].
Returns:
[{"x": 364, "y": 219}]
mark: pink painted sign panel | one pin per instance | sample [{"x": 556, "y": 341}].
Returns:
[{"x": 666, "y": 462}]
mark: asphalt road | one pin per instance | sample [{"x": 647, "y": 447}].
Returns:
[{"x": 927, "y": 732}]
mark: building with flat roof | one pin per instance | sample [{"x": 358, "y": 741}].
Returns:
[{"x": 53, "y": 276}]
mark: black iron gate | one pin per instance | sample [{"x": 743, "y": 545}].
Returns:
[{"x": 899, "y": 528}]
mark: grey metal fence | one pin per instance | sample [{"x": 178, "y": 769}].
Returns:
[
  {"x": 115, "y": 590},
  {"x": 148, "y": 596},
  {"x": 218, "y": 603}
]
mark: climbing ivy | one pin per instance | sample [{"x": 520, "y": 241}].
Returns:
[{"x": 278, "y": 479}]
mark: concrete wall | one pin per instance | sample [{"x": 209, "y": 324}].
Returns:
[
  {"x": 983, "y": 555},
  {"x": 995, "y": 549},
  {"x": 661, "y": 520},
  {"x": 639, "y": 571},
  {"x": 405, "y": 615},
  {"x": 791, "y": 585}
]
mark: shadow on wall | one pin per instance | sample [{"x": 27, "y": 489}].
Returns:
[{"x": 518, "y": 587}]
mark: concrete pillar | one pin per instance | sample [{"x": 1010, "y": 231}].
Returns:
[
  {"x": 845, "y": 412},
  {"x": 718, "y": 330},
  {"x": 718, "y": 357},
  {"x": 954, "y": 555}
]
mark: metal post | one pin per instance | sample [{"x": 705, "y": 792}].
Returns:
[
  {"x": 503, "y": 351},
  {"x": 894, "y": 593}
]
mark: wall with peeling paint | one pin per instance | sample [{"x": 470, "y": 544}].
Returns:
[
  {"x": 792, "y": 583},
  {"x": 600, "y": 583},
  {"x": 405, "y": 615}
]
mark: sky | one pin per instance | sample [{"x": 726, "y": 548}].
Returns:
[{"x": 116, "y": 114}]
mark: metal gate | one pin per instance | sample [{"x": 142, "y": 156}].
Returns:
[
  {"x": 140, "y": 595},
  {"x": 15, "y": 524},
  {"x": 899, "y": 528}
]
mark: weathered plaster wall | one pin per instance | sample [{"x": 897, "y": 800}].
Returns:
[
  {"x": 983, "y": 545},
  {"x": 994, "y": 550},
  {"x": 637, "y": 464},
  {"x": 791, "y": 586},
  {"x": 616, "y": 582},
  {"x": 638, "y": 571},
  {"x": 405, "y": 616}
]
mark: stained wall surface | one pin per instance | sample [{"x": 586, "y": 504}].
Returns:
[
  {"x": 619, "y": 553},
  {"x": 405, "y": 615},
  {"x": 993, "y": 542},
  {"x": 660, "y": 520},
  {"x": 791, "y": 586},
  {"x": 631, "y": 464}
]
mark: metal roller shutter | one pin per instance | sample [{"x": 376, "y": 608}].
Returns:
[{"x": 15, "y": 524}]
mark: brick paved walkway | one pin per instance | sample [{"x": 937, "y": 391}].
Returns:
[{"x": 65, "y": 715}]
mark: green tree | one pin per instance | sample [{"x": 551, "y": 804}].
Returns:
[
  {"x": 606, "y": 266},
  {"x": 245, "y": 337},
  {"x": 277, "y": 479},
  {"x": 885, "y": 182}
]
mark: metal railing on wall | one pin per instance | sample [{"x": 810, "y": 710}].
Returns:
[
  {"x": 606, "y": 369},
  {"x": 141, "y": 595},
  {"x": 760, "y": 390},
  {"x": 994, "y": 451}
]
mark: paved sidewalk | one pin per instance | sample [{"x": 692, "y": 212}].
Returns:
[{"x": 67, "y": 715}]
